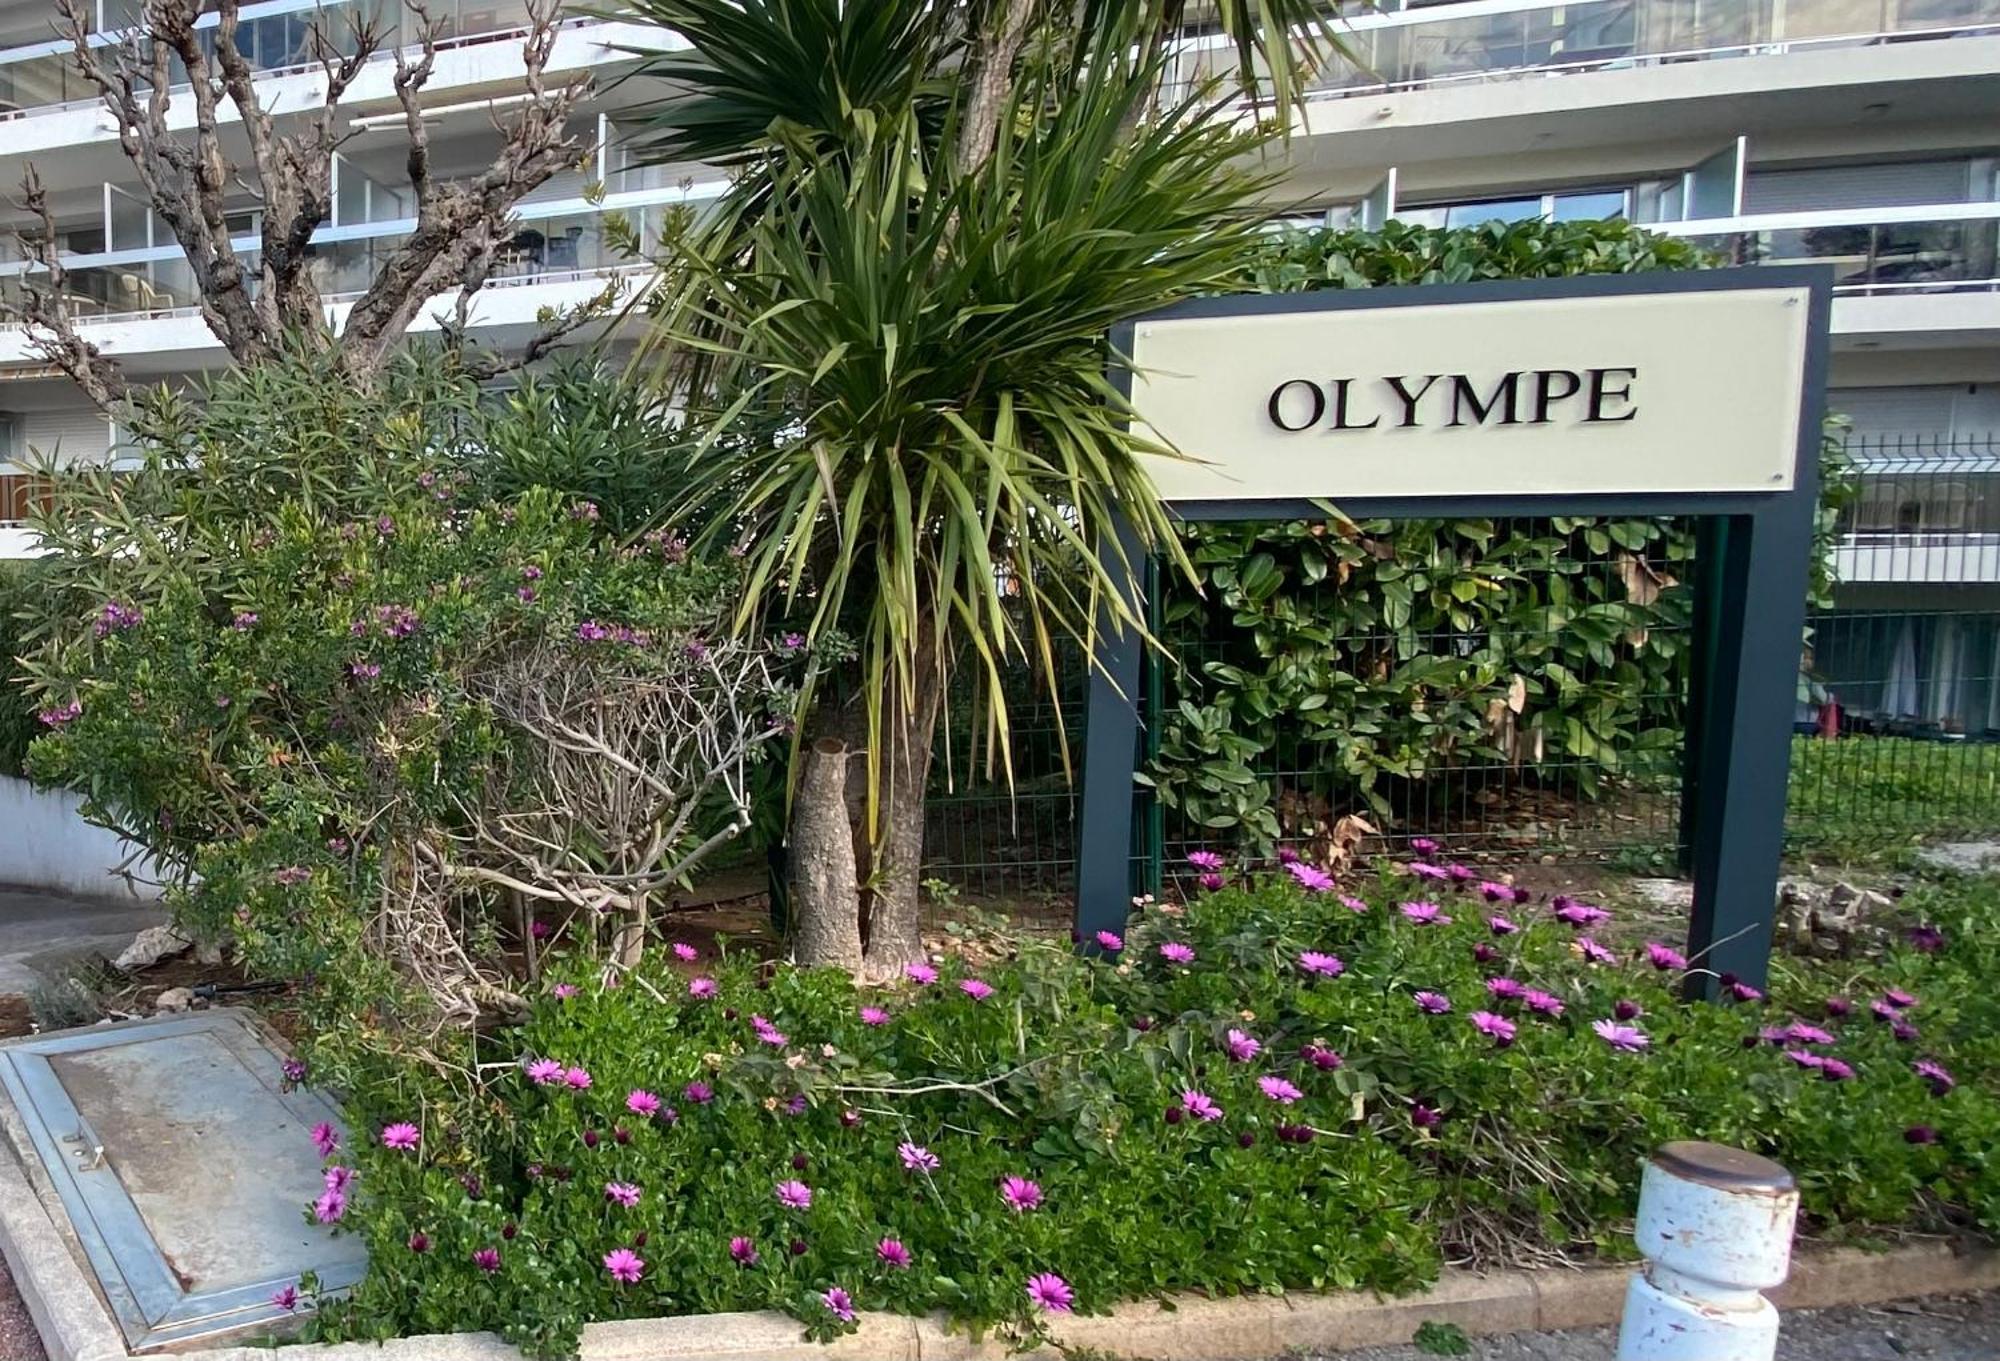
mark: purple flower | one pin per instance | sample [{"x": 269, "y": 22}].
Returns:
[
  {"x": 1496, "y": 893},
  {"x": 1665, "y": 957},
  {"x": 293, "y": 1069},
  {"x": 1882, "y": 1010},
  {"x": 1425, "y": 1116},
  {"x": 325, "y": 1138},
  {"x": 874, "y": 1016},
  {"x": 1242, "y": 1048},
  {"x": 891, "y": 1253},
  {"x": 487, "y": 1260},
  {"x": 743, "y": 1251},
  {"x": 564, "y": 991},
  {"x": 920, "y": 972},
  {"x": 917, "y": 1158},
  {"x": 1111, "y": 941},
  {"x": 1629, "y": 1039},
  {"x": 1425, "y": 914},
  {"x": 698, "y": 1092},
  {"x": 1174, "y": 952},
  {"x": 339, "y": 1178},
  {"x": 401, "y": 1136},
  {"x": 1925, "y": 938},
  {"x": 291, "y": 875},
  {"x": 1581, "y": 915},
  {"x": 1482, "y": 953},
  {"x": 576, "y": 1079},
  {"x": 330, "y": 1206},
  {"x": 977, "y": 989},
  {"x": 1321, "y": 964},
  {"x": 1310, "y": 877},
  {"x": 1624, "y": 1010},
  {"x": 1920, "y": 1134},
  {"x": 1838, "y": 1006},
  {"x": 621, "y": 1193},
  {"x": 1805, "y": 1058},
  {"x": 1423, "y": 845},
  {"x": 642, "y": 1103},
  {"x": 701, "y": 989},
  {"x": 1833, "y": 1070},
  {"x": 419, "y": 1242},
  {"x": 364, "y": 670},
  {"x": 1743, "y": 992},
  {"x": 1505, "y": 989},
  {"x": 1936, "y": 1074},
  {"x": 1320, "y": 1057},
  {"x": 1546, "y": 1003},
  {"x": 1899, "y": 999},
  {"x": 1501, "y": 926},
  {"x": 542, "y": 1072},
  {"x": 624, "y": 1265},
  {"x": 793, "y": 1195},
  {"x": 244, "y": 621},
  {"x": 1427, "y": 871},
  {"x": 1205, "y": 860},
  {"x": 1903, "y": 1031},
  {"x": 797, "y": 1105},
  {"x": 1461, "y": 874},
  {"x": 1020, "y": 1194},
  {"x": 1200, "y": 1105},
  {"x": 1798, "y": 1032},
  {"x": 1287, "y": 856},
  {"x": 768, "y": 1033},
  {"x": 1592, "y": 952},
  {"x": 1352, "y": 903},
  {"x": 1499, "y": 1028},
  {"x": 286, "y": 1298},
  {"x": 1436, "y": 1003},
  {"x": 1210, "y": 882},
  {"x": 1050, "y": 1293},
  {"x": 1279, "y": 1090},
  {"x": 685, "y": 953}
]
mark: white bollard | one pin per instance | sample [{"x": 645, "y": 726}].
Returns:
[{"x": 1715, "y": 1226}]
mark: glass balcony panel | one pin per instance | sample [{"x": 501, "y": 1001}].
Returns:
[{"x": 1911, "y": 255}]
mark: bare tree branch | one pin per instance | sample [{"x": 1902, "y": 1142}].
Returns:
[{"x": 44, "y": 308}]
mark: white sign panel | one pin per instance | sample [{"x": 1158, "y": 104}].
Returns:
[{"x": 1630, "y": 393}]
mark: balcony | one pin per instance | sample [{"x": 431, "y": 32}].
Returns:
[
  {"x": 1488, "y": 40},
  {"x": 38, "y": 72},
  {"x": 1927, "y": 512},
  {"x": 1931, "y": 248},
  {"x": 555, "y": 242}
]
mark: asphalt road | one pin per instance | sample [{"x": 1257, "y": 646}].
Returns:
[{"x": 1946, "y": 1328}]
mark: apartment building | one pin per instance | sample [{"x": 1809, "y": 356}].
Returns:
[{"x": 1860, "y": 133}]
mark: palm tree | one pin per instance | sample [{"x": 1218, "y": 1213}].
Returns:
[{"x": 892, "y": 331}]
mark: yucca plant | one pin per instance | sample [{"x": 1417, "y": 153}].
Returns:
[{"x": 894, "y": 335}]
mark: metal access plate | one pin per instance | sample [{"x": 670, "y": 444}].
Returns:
[{"x": 184, "y": 1167}]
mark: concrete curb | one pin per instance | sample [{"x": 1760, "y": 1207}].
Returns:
[{"x": 76, "y": 1327}]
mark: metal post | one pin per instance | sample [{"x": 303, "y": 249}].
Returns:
[
  {"x": 1715, "y": 1227},
  {"x": 1110, "y": 756}
]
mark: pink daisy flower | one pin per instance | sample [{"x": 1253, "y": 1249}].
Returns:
[
  {"x": 624, "y": 1265},
  {"x": 642, "y": 1103},
  {"x": 1020, "y": 1194},
  {"x": 1279, "y": 1090},
  {"x": 1630, "y": 1039},
  {"x": 576, "y": 1079},
  {"x": 874, "y": 1016},
  {"x": 1200, "y": 1105},
  {"x": 1423, "y": 845},
  {"x": 919, "y": 972},
  {"x": 1592, "y": 952},
  {"x": 891, "y": 1253},
  {"x": 917, "y": 1158},
  {"x": 1174, "y": 952},
  {"x": 1435, "y": 1003},
  {"x": 685, "y": 953},
  {"x": 1936, "y": 1074},
  {"x": 1352, "y": 903},
  {"x": 977, "y": 989},
  {"x": 401, "y": 1136},
  {"x": 1505, "y": 989},
  {"x": 793, "y": 1195},
  {"x": 1242, "y": 1048},
  {"x": 1110, "y": 941},
  {"x": 487, "y": 1260},
  {"x": 743, "y": 1251},
  {"x": 1204, "y": 860},
  {"x": 1798, "y": 1032},
  {"x": 564, "y": 991},
  {"x": 286, "y": 1298},
  {"x": 325, "y": 1138},
  {"x": 838, "y": 1303},
  {"x": 1501, "y": 926},
  {"x": 1050, "y": 1293},
  {"x": 1321, "y": 964},
  {"x": 1499, "y": 1028},
  {"x": 1425, "y": 914},
  {"x": 1310, "y": 877},
  {"x": 1425, "y": 870},
  {"x": 701, "y": 989},
  {"x": 1547, "y": 1003},
  {"x": 621, "y": 1193},
  {"x": 1664, "y": 957}
]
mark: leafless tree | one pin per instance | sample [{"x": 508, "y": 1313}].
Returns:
[{"x": 189, "y": 178}]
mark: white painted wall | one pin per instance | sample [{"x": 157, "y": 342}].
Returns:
[{"x": 46, "y": 844}]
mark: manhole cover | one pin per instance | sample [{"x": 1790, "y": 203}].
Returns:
[{"x": 184, "y": 1167}]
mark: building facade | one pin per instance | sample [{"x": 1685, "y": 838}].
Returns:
[{"x": 1860, "y": 133}]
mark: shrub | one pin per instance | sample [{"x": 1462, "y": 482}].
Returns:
[
  {"x": 1355, "y": 1138},
  {"x": 354, "y": 708}
]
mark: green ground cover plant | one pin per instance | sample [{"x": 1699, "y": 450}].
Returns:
[
  {"x": 1861, "y": 797},
  {"x": 1286, "y": 1084}
]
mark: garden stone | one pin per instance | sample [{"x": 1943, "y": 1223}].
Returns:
[
  {"x": 174, "y": 999},
  {"x": 150, "y": 946},
  {"x": 1964, "y": 857},
  {"x": 1668, "y": 893}
]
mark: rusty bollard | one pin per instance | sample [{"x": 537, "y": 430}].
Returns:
[{"x": 1715, "y": 1227}]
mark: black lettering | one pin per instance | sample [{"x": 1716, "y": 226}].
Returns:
[
  {"x": 1464, "y": 397},
  {"x": 1601, "y": 392},
  {"x": 1410, "y": 399},
  {"x": 1277, "y": 408},
  {"x": 1341, "y": 387},
  {"x": 1545, "y": 394}
]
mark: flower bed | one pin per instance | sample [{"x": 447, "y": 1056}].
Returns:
[{"x": 1282, "y": 1087}]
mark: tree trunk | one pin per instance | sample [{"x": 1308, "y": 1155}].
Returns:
[
  {"x": 895, "y": 934},
  {"x": 631, "y": 944},
  {"x": 826, "y": 911}
]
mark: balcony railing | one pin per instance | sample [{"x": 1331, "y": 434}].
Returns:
[
  {"x": 553, "y": 241},
  {"x": 1483, "y": 40},
  {"x": 1927, "y": 248},
  {"x": 276, "y": 36},
  {"x": 1927, "y": 511}
]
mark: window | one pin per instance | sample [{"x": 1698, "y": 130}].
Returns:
[{"x": 1570, "y": 206}]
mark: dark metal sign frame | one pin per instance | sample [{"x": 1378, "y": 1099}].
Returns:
[{"x": 1749, "y": 625}]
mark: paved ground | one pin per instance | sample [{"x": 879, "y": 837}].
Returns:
[
  {"x": 39, "y": 928},
  {"x": 1948, "y": 1328}
]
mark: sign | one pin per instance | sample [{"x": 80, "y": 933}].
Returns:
[{"x": 1653, "y": 392}]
